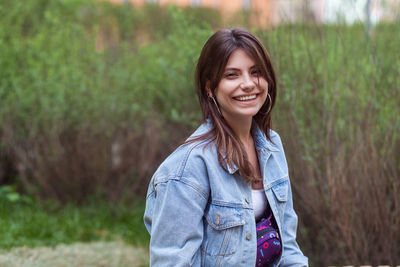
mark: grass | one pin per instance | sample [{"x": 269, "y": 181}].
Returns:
[
  {"x": 36, "y": 225},
  {"x": 79, "y": 254}
]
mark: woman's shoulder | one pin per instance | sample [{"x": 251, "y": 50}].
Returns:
[
  {"x": 275, "y": 138},
  {"x": 271, "y": 141},
  {"x": 188, "y": 160}
]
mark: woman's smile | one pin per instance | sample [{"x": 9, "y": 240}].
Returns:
[{"x": 245, "y": 98}]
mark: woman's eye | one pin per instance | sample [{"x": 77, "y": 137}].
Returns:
[
  {"x": 256, "y": 72},
  {"x": 230, "y": 75}
]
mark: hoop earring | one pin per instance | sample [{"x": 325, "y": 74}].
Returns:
[
  {"x": 215, "y": 103},
  {"x": 270, "y": 105}
]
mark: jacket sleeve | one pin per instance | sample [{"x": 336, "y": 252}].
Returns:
[
  {"x": 292, "y": 255},
  {"x": 173, "y": 217}
]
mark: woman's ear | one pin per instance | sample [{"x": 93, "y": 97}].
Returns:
[{"x": 208, "y": 89}]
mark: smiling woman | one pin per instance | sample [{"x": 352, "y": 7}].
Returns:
[
  {"x": 242, "y": 90},
  {"x": 224, "y": 196}
]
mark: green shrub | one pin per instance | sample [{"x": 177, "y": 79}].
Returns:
[
  {"x": 337, "y": 114},
  {"x": 71, "y": 112}
]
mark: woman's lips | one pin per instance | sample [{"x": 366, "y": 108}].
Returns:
[{"x": 245, "y": 98}]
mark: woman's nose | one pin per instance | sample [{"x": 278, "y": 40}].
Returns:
[{"x": 247, "y": 83}]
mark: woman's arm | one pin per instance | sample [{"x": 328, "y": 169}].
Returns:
[
  {"x": 173, "y": 217},
  {"x": 292, "y": 255}
]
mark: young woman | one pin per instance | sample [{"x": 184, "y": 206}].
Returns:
[{"x": 223, "y": 198}]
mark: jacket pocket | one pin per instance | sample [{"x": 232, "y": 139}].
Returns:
[
  {"x": 222, "y": 230},
  {"x": 281, "y": 191}
]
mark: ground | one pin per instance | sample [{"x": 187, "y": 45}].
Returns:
[{"x": 107, "y": 254}]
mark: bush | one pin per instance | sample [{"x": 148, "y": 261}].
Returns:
[
  {"x": 338, "y": 117},
  {"x": 79, "y": 122}
]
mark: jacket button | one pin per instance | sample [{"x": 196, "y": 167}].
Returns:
[{"x": 248, "y": 236}]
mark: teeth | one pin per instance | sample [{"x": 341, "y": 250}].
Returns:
[{"x": 249, "y": 97}]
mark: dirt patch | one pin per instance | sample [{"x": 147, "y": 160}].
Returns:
[{"x": 95, "y": 254}]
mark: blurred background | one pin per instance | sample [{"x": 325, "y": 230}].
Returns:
[{"x": 95, "y": 94}]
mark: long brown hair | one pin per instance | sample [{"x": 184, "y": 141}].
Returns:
[{"x": 210, "y": 68}]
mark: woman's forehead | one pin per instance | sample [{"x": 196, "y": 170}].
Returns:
[{"x": 240, "y": 59}]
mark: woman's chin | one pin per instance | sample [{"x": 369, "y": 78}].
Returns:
[{"x": 249, "y": 114}]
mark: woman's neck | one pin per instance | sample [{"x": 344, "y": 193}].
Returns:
[{"x": 241, "y": 127}]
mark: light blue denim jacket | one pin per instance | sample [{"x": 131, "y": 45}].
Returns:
[{"x": 200, "y": 215}]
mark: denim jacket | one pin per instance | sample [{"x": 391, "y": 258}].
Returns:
[{"x": 198, "y": 214}]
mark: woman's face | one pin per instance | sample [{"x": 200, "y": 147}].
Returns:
[{"x": 242, "y": 90}]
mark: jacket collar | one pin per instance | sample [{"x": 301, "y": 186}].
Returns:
[{"x": 260, "y": 140}]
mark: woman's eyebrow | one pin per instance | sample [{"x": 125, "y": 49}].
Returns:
[{"x": 236, "y": 69}]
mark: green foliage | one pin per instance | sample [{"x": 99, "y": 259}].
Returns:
[
  {"x": 81, "y": 72},
  {"x": 49, "y": 224},
  {"x": 8, "y": 194},
  {"x": 335, "y": 81},
  {"x": 337, "y": 113},
  {"x": 53, "y": 77}
]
